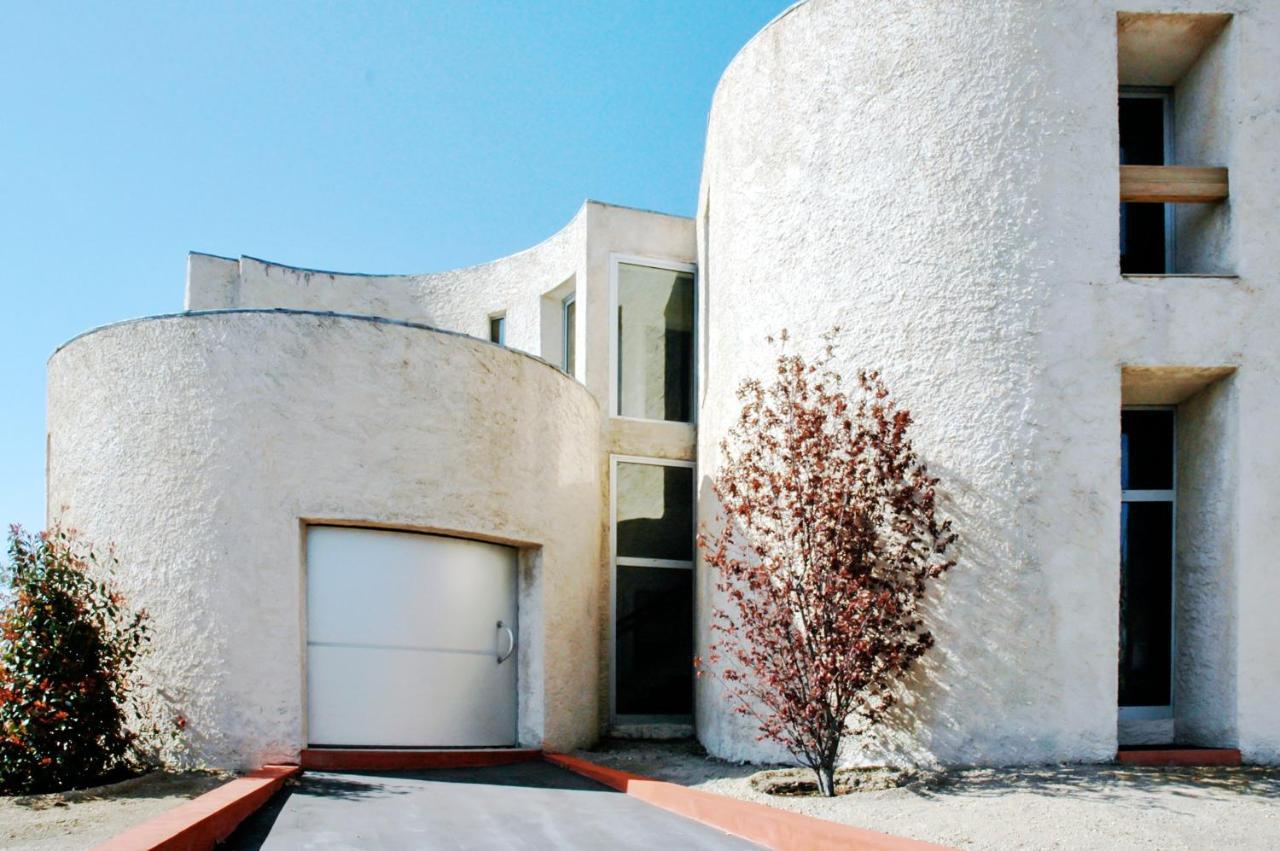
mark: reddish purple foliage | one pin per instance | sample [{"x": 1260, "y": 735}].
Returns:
[{"x": 829, "y": 539}]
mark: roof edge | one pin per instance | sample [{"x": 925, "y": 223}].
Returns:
[{"x": 324, "y": 314}]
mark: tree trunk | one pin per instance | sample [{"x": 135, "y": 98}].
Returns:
[{"x": 826, "y": 779}]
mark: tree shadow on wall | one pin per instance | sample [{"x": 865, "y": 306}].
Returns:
[
  {"x": 966, "y": 694},
  {"x": 969, "y": 613},
  {"x": 986, "y": 638}
]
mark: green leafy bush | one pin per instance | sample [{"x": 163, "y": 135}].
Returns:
[{"x": 68, "y": 647}]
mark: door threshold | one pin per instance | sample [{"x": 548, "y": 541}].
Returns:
[
  {"x": 1177, "y": 755},
  {"x": 411, "y": 759},
  {"x": 415, "y": 747}
]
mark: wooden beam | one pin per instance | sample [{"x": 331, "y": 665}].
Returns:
[{"x": 1172, "y": 184}]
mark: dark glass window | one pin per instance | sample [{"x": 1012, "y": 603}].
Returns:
[
  {"x": 654, "y": 643},
  {"x": 498, "y": 330},
  {"x": 653, "y": 606},
  {"x": 1146, "y": 603},
  {"x": 655, "y": 343},
  {"x": 1142, "y": 226},
  {"x": 1146, "y": 450},
  {"x": 1147, "y": 458},
  {"x": 570, "y": 332},
  {"x": 655, "y": 511}
]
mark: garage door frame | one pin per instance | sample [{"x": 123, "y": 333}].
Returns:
[{"x": 528, "y": 574}]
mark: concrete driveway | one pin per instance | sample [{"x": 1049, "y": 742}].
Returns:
[{"x": 526, "y": 805}]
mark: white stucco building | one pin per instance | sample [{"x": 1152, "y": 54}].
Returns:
[{"x": 343, "y": 504}]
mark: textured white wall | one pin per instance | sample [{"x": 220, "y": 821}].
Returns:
[
  {"x": 1205, "y": 585},
  {"x": 1203, "y": 135},
  {"x": 462, "y": 300},
  {"x": 459, "y": 299},
  {"x": 200, "y": 444},
  {"x": 941, "y": 181}
]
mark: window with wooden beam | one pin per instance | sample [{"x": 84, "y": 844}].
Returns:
[{"x": 1175, "y": 119}]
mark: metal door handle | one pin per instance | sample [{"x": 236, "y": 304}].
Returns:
[{"x": 511, "y": 636}]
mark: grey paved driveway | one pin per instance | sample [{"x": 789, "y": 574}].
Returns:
[{"x": 527, "y": 805}]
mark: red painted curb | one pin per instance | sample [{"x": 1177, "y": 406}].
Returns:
[
  {"x": 342, "y": 759},
  {"x": 1178, "y": 756},
  {"x": 773, "y": 828},
  {"x": 207, "y": 820}
]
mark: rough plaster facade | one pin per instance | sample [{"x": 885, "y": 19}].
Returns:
[
  {"x": 201, "y": 444},
  {"x": 938, "y": 180}
]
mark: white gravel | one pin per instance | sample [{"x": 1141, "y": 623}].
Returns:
[{"x": 1093, "y": 807}]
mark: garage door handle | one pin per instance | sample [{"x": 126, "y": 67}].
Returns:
[{"x": 511, "y": 637}]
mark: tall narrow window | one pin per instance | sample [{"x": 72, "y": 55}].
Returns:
[
  {"x": 653, "y": 590},
  {"x": 569, "y": 332},
  {"x": 654, "y": 342},
  {"x": 1146, "y": 138},
  {"x": 498, "y": 329},
  {"x": 1147, "y": 477}
]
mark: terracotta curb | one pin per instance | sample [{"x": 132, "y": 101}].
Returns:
[
  {"x": 342, "y": 759},
  {"x": 773, "y": 828},
  {"x": 1189, "y": 757},
  {"x": 204, "y": 821}
]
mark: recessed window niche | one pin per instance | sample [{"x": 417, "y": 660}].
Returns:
[
  {"x": 1174, "y": 113},
  {"x": 1177, "y": 618},
  {"x": 558, "y": 325}
]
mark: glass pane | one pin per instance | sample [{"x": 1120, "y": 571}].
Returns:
[
  {"x": 1142, "y": 226},
  {"x": 570, "y": 335},
  {"x": 654, "y": 641},
  {"x": 1142, "y": 130},
  {"x": 655, "y": 343},
  {"x": 655, "y": 511},
  {"x": 1146, "y": 450},
  {"x": 1146, "y": 600},
  {"x": 498, "y": 329}
]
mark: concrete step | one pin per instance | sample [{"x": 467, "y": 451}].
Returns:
[
  {"x": 1188, "y": 755},
  {"x": 411, "y": 759}
]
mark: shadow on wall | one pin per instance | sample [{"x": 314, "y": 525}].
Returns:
[
  {"x": 984, "y": 638},
  {"x": 976, "y": 613}
]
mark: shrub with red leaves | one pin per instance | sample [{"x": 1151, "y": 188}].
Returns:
[
  {"x": 67, "y": 648},
  {"x": 829, "y": 538}
]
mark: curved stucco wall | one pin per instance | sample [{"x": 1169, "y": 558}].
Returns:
[
  {"x": 940, "y": 180},
  {"x": 200, "y": 444},
  {"x": 457, "y": 299}
]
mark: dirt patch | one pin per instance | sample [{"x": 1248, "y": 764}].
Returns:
[
  {"x": 1055, "y": 806},
  {"x": 84, "y": 817}
]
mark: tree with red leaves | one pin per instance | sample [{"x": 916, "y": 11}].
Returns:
[{"x": 829, "y": 538}]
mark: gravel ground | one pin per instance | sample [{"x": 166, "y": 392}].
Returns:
[
  {"x": 1094, "y": 806},
  {"x": 82, "y": 819}
]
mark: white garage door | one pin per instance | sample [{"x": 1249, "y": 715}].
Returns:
[{"x": 404, "y": 637}]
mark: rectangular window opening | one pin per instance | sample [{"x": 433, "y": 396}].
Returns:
[
  {"x": 1147, "y": 545},
  {"x": 569, "y": 333},
  {"x": 653, "y": 341},
  {"x": 498, "y": 329},
  {"x": 653, "y": 540},
  {"x": 1146, "y": 138},
  {"x": 1176, "y": 116}
]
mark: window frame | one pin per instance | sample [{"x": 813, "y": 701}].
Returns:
[
  {"x": 616, "y": 260},
  {"x": 501, "y": 318},
  {"x": 615, "y": 719},
  {"x": 1165, "y": 94},
  {"x": 567, "y": 333},
  {"x": 1169, "y": 495}
]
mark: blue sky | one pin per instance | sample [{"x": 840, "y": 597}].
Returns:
[{"x": 367, "y": 137}]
